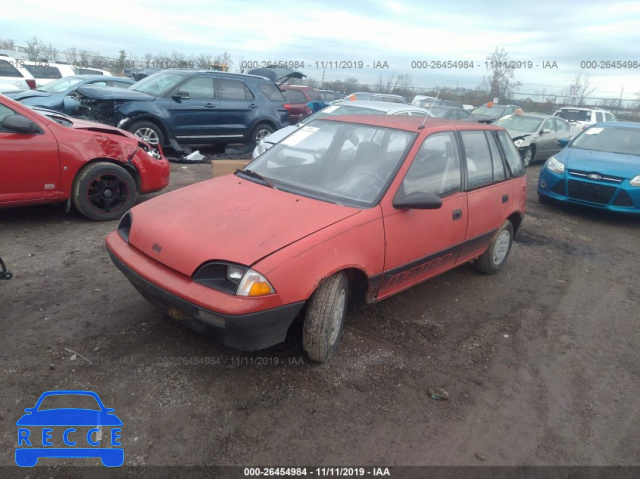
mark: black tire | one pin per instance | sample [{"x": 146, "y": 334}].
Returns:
[
  {"x": 544, "y": 200},
  {"x": 529, "y": 156},
  {"x": 259, "y": 132},
  {"x": 497, "y": 253},
  {"x": 324, "y": 320},
  {"x": 103, "y": 191},
  {"x": 147, "y": 131}
]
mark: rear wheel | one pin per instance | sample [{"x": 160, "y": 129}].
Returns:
[
  {"x": 324, "y": 321},
  {"x": 259, "y": 132},
  {"x": 103, "y": 191},
  {"x": 496, "y": 255},
  {"x": 529, "y": 156}
]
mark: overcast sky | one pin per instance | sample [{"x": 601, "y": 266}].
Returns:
[{"x": 396, "y": 32}]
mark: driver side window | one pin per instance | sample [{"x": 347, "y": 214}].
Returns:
[
  {"x": 436, "y": 167},
  {"x": 199, "y": 88}
]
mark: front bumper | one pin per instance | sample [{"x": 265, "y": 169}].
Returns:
[
  {"x": 248, "y": 332},
  {"x": 569, "y": 187}
]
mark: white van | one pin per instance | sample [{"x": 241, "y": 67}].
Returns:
[{"x": 45, "y": 72}]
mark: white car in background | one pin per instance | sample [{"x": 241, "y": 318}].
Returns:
[
  {"x": 45, "y": 72},
  {"x": 14, "y": 74},
  {"x": 342, "y": 107}
]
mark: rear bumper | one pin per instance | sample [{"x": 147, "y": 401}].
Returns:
[{"x": 249, "y": 332}]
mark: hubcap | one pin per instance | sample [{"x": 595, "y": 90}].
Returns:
[
  {"x": 262, "y": 134},
  {"x": 148, "y": 135},
  {"x": 527, "y": 157},
  {"x": 501, "y": 248},
  {"x": 338, "y": 313},
  {"x": 107, "y": 193}
]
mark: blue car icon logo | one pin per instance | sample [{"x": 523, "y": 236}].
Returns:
[{"x": 69, "y": 432}]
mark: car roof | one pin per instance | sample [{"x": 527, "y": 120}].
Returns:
[
  {"x": 410, "y": 123},
  {"x": 383, "y": 106},
  {"x": 102, "y": 77},
  {"x": 582, "y": 108},
  {"x": 445, "y": 107},
  {"x": 187, "y": 71},
  {"x": 623, "y": 124},
  {"x": 297, "y": 87}
]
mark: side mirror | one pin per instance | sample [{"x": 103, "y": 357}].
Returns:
[
  {"x": 181, "y": 95},
  {"x": 418, "y": 201},
  {"x": 563, "y": 142},
  {"x": 545, "y": 131},
  {"x": 20, "y": 124}
]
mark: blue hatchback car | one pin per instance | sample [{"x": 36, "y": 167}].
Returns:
[
  {"x": 58, "y": 95},
  {"x": 598, "y": 168},
  {"x": 36, "y": 430},
  {"x": 191, "y": 107}
]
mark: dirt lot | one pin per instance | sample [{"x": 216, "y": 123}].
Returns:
[{"x": 541, "y": 361}]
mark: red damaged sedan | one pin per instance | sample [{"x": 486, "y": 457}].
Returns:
[
  {"x": 345, "y": 211},
  {"x": 48, "y": 157}
]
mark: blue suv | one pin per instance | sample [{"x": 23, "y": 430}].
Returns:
[{"x": 191, "y": 107}]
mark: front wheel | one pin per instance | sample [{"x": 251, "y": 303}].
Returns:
[
  {"x": 147, "y": 131},
  {"x": 103, "y": 191},
  {"x": 528, "y": 156},
  {"x": 496, "y": 255},
  {"x": 324, "y": 321}
]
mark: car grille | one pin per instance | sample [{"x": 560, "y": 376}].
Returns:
[
  {"x": 558, "y": 188},
  {"x": 623, "y": 199},
  {"x": 581, "y": 190},
  {"x": 585, "y": 174}
]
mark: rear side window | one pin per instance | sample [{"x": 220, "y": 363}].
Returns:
[
  {"x": 478, "y": 159},
  {"x": 271, "y": 91},
  {"x": 609, "y": 117},
  {"x": 314, "y": 95},
  {"x": 599, "y": 117},
  {"x": 436, "y": 167},
  {"x": 233, "y": 90},
  {"x": 511, "y": 154},
  {"x": 498, "y": 166},
  {"x": 294, "y": 96},
  {"x": 8, "y": 70}
]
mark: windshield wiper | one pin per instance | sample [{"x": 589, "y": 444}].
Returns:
[{"x": 257, "y": 175}]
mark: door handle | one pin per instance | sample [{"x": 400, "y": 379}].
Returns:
[
  {"x": 253, "y": 105},
  {"x": 209, "y": 105},
  {"x": 457, "y": 214},
  {"x": 505, "y": 198}
]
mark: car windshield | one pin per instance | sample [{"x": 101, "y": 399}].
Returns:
[
  {"x": 621, "y": 140},
  {"x": 338, "y": 162},
  {"x": 60, "y": 85},
  {"x": 158, "y": 84},
  {"x": 65, "y": 401},
  {"x": 494, "y": 111},
  {"x": 438, "y": 112},
  {"x": 574, "y": 115},
  {"x": 341, "y": 110},
  {"x": 528, "y": 124}
]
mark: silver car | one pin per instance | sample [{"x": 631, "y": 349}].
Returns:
[
  {"x": 535, "y": 135},
  {"x": 342, "y": 107}
]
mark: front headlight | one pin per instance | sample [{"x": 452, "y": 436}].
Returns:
[
  {"x": 554, "y": 165},
  {"x": 233, "y": 279},
  {"x": 635, "y": 181},
  {"x": 518, "y": 142}
]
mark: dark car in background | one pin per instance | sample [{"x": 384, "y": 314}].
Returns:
[
  {"x": 490, "y": 112},
  {"x": 59, "y": 94},
  {"x": 330, "y": 95},
  {"x": 192, "y": 107},
  {"x": 448, "y": 112},
  {"x": 536, "y": 136}
]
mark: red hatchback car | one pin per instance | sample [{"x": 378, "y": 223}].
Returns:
[
  {"x": 48, "y": 157},
  {"x": 345, "y": 211}
]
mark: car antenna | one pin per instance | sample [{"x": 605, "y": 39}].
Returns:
[{"x": 425, "y": 117}]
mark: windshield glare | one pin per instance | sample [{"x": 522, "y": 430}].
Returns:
[
  {"x": 339, "y": 162},
  {"x": 341, "y": 110},
  {"x": 520, "y": 123},
  {"x": 438, "y": 112},
  {"x": 612, "y": 139},
  {"x": 158, "y": 84},
  {"x": 485, "y": 110},
  {"x": 574, "y": 115},
  {"x": 61, "y": 85}
]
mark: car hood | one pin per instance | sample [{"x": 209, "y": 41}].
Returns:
[
  {"x": 278, "y": 135},
  {"x": 69, "y": 417},
  {"x": 24, "y": 94},
  {"x": 615, "y": 164},
  {"x": 96, "y": 127},
  {"x": 226, "y": 218},
  {"x": 515, "y": 134},
  {"x": 98, "y": 92}
]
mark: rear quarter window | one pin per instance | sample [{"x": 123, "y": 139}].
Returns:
[
  {"x": 233, "y": 90},
  {"x": 271, "y": 91},
  {"x": 8, "y": 70},
  {"x": 44, "y": 72},
  {"x": 514, "y": 160}
]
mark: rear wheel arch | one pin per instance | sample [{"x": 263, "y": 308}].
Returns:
[{"x": 516, "y": 221}]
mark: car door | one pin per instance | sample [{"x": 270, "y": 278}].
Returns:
[
  {"x": 30, "y": 164},
  {"x": 546, "y": 139},
  {"x": 237, "y": 109},
  {"x": 193, "y": 110},
  {"x": 563, "y": 132},
  {"x": 489, "y": 195},
  {"x": 422, "y": 243}
]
